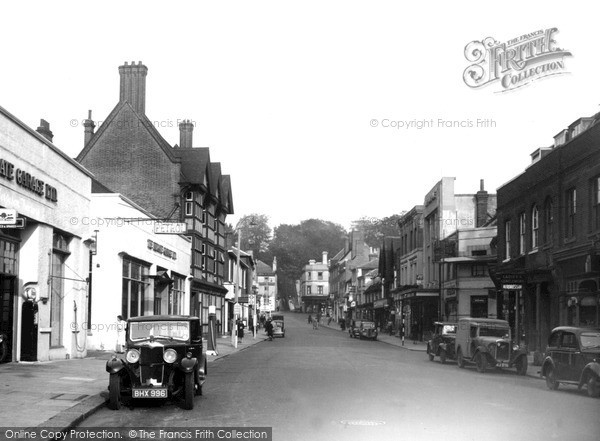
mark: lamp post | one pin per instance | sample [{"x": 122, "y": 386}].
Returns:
[{"x": 238, "y": 287}]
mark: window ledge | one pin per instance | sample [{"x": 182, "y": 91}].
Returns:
[
  {"x": 506, "y": 260},
  {"x": 534, "y": 251},
  {"x": 569, "y": 240}
]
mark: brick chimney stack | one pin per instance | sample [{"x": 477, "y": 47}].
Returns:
[
  {"x": 186, "y": 129},
  {"x": 481, "y": 206},
  {"x": 133, "y": 85},
  {"x": 88, "y": 129},
  {"x": 44, "y": 130}
]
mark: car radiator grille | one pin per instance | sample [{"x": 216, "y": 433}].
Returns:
[
  {"x": 152, "y": 365},
  {"x": 502, "y": 351}
]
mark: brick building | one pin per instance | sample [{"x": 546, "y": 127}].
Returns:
[
  {"x": 129, "y": 156},
  {"x": 549, "y": 236}
]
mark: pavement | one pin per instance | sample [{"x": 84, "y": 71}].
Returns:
[{"x": 60, "y": 394}]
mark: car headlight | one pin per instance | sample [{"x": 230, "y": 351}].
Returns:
[
  {"x": 133, "y": 356},
  {"x": 515, "y": 347},
  {"x": 170, "y": 356}
]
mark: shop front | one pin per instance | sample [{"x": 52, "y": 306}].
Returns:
[
  {"x": 43, "y": 245},
  {"x": 418, "y": 312},
  {"x": 136, "y": 269}
]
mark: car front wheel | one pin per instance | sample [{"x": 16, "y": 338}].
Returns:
[
  {"x": 431, "y": 356},
  {"x": 443, "y": 356},
  {"x": 481, "y": 362},
  {"x": 188, "y": 391},
  {"x": 114, "y": 392},
  {"x": 551, "y": 380},
  {"x": 522, "y": 365},
  {"x": 593, "y": 386}
]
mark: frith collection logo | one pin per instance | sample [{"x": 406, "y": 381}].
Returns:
[{"x": 515, "y": 63}]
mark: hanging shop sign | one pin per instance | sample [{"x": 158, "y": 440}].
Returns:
[{"x": 26, "y": 180}]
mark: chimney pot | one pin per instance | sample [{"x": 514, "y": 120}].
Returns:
[
  {"x": 44, "y": 130},
  {"x": 88, "y": 129},
  {"x": 133, "y": 85},
  {"x": 186, "y": 130}
]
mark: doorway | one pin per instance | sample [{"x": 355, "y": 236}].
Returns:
[
  {"x": 29, "y": 331},
  {"x": 7, "y": 296}
]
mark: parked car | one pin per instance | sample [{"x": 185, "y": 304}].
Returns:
[
  {"x": 362, "y": 329},
  {"x": 442, "y": 341},
  {"x": 573, "y": 357},
  {"x": 487, "y": 343},
  {"x": 163, "y": 360},
  {"x": 278, "y": 328},
  {"x": 367, "y": 330}
]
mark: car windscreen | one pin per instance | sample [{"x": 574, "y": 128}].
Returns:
[
  {"x": 159, "y": 329},
  {"x": 449, "y": 329},
  {"x": 590, "y": 340},
  {"x": 493, "y": 331},
  {"x": 368, "y": 325}
]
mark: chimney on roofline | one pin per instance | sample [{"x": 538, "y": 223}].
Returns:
[
  {"x": 186, "y": 129},
  {"x": 88, "y": 129},
  {"x": 481, "y": 205},
  {"x": 133, "y": 85},
  {"x": 44, "y": 130},
  {"x": 324, "y": 258}
]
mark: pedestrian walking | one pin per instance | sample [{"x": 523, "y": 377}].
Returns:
[
  {"x": 240, "y": 331},
  {"x": 120, "y": 346},
  {"x": 310, "y": 320},
  {"x": 269, "y": 329}
]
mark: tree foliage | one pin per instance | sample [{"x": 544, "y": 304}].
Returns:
[
  {"x": 295, "y": 245},
  {"x": 256, "y": 234},
  {"x": 375, "y": 229}
]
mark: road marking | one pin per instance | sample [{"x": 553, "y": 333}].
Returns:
[
  {"x": 76, "y": 379},
  {"x": 362, "y": 423}
]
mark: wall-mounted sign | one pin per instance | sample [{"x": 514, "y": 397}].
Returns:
[
  {"x": 8, "y": 216},
  {"x": 170, "y": 227},
  {"x": 162, "y": 250},
  {"x": 27, "y": 180}
]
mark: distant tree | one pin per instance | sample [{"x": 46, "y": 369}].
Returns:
[
  {"x": 375, "y": 229},
  {"x": 256, "y": 234},
  {"x": 295, "y": 245}
]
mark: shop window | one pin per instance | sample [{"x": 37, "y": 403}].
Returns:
[
  {"x": 507, "y": 238},
  {"x": 534, "y": 227},
  {"x": 60, "y": 253},
  {"x": 595, "y": 212},
  {"x": 134, "y": 287},
  {"x": 548, "y": 220},
  {"x": 8, "y": 257},
  {"x": 570, "y": 212},
  {"x": 522, "y": 230}
]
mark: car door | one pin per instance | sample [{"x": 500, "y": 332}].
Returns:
[{"x": 568, "y": 352}]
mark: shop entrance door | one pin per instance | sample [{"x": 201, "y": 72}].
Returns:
[
  {"x": 7, "y": 291},
  {"x": 29, "y": 331}
]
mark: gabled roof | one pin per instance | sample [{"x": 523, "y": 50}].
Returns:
[
  {"x": 215, "y": 179},
  {"x": 262, "y": 269},
  {"x": 226, "y": 196},
  {"x": 194, "y": 164},
  {"x": 142, "y": 121},
  {"x": 97, "y": 187}
]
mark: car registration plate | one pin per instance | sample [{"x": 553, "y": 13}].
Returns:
[{"x": 150, "y": 393}]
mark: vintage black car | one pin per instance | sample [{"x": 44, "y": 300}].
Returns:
[
  {"x": 163, "y": 359},
  {"x": 488, "y": 343},
  {"x": 278, "y": 328},
  {"x": 363, "y": 329},
  {"x": 573, "y": 357},
  {"x": 442, "y": 341}
]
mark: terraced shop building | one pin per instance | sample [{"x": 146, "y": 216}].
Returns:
[
  {"x": 130, "y": 157},
  {"x": 44, "y": 195}
]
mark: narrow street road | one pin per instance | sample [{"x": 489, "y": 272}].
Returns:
[{"x": 323, "y": 385}]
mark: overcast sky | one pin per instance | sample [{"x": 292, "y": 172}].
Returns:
[{"x": 284, "y": 93}]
